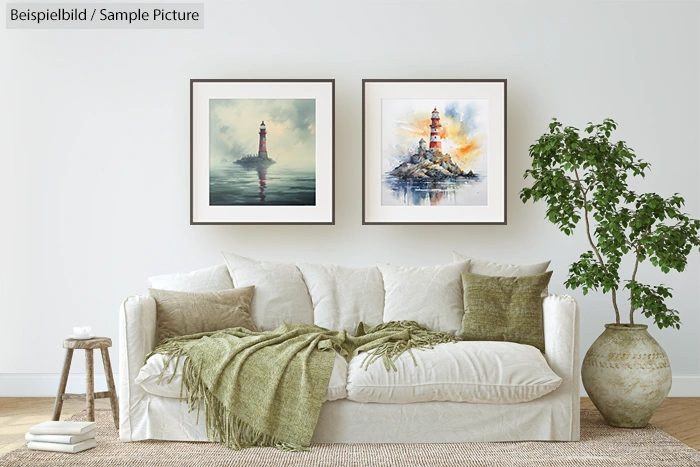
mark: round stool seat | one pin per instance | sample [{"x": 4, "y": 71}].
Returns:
[{"x": 92, "y": 343}]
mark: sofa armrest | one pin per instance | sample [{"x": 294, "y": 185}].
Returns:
[
  {"x": 561, "y": 336},
  {"x": 561, "y": 343},
  {"x": 137, "y": 338}
]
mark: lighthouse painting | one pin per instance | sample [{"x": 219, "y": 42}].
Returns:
[
  {"x": 262, "y": 152},
  {"x": 434, "y": 152}
]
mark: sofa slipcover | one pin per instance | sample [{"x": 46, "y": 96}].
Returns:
[{"x": 553, "y": 417}]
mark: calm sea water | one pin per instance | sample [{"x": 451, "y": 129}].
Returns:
[
  {"x": 234, "y": 185},
  {"x": 451, "y": 192}
]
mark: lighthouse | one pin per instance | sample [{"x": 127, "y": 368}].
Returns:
[
  {"x": 262, "y": 146},
  {"x": 435, "y": 126},
  {"x": 262, "y": 160}
]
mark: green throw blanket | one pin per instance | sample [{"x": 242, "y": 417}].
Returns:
[{"x": 266, "y": 388}]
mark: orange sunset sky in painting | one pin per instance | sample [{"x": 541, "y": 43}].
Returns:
[{"x": 464, "y": 131}]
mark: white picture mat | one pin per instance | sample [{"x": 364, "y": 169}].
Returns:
[
  {"x": 322, "y": 92},
  {"x": 374, "y": 212}
]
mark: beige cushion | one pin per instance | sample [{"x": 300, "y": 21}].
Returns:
[
  {"x": 478, "y": 372},
  {"x": 202, "y": 280},
  {"x": 280, "y": 292},
  {"x": 150, "y": 372},
  {"x": 342, "y": 296},
  {"x": 183, "y": 313},
  {"x": 489, "y": 268},
  {"x": 431, "y": 296},
  {"x": 504, "y": 308}
]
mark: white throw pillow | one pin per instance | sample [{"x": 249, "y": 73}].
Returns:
[
  {"x": 150, "y": 373},
  {"x": 489, "y": 268},
  {"x": 431, "y": 296},
  {"x": 471, "y": 371},
  {"x": 212, "y": 279},
  {"x": 280, "y": 292},
  {"x": 343, "y": 296}
]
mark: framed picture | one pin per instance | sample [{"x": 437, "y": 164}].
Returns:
[
  {"x": 262, "y": 151},
  {"x": 434, "y": 151}
]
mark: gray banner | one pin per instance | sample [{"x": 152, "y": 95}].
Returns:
[{"x": 105, "y": 16}]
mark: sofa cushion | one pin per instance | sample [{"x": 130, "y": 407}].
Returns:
[
  {"x": 183, "y": 313},
  {"x": 431, "y": 296},
  {"x": 202, "y": 280},
  {"x": 343, "y": 296},
  {"x": 504, "y": 308},
  {"x": 150, "y": 372},
  {"x": 489, "y": 268},
  {"x": 280, "y": 292},
  {"x": 479, "y": 372}
]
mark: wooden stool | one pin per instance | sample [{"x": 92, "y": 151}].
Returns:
[{"x": 102, "y": 343}]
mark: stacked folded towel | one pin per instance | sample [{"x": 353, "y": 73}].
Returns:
[{"x": 62, "y": 436}]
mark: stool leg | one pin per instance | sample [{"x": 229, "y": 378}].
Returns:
[
  {"x": 90, "y": 385},
  {"x": 110, "y": 386},
  {"x": 58, "y": 405}
]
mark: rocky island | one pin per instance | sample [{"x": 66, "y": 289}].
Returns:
[
  {"x": 429, "y": 164},
  {"x": 255, "y": 161}
]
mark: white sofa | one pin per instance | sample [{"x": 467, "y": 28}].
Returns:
[{"x": 374, "y": 406}]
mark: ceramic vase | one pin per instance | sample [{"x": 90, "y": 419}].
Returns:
[{"x": 627, "y": 375}]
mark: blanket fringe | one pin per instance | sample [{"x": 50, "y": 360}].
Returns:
[
  {"x": 418, "y": 338},
  {"x": 222, "y": 426}
]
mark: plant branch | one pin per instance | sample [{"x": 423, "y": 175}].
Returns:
[
  {"x": 578, "y": 183},
  {"x": 636, "y": 266},
  {"x": 634, "y": 275},
  {"x": 593, "y": 245}
]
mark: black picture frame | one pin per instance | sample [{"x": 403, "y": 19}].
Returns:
[
  {"x": 374, "y": 91},
  {"x": 322, "y": 212}
]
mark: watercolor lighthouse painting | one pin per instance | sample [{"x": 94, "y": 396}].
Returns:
[
  {"x": 434, "y": 152},
  {"x": 262, "y": 152}
]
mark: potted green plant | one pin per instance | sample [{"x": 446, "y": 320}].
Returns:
[{"x": 583, "y": 176}]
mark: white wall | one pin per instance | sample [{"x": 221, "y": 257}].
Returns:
[{"x": 94, "y": 135}]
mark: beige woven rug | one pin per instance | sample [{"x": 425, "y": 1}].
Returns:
[{"x": 600, "y": 446}]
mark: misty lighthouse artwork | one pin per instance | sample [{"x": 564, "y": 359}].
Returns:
[
  {"x": 262, "y": 152},
  {"x": 435, "y": 152}
]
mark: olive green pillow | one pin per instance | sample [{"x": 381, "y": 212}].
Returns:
[
  {"x": 183, "y": 313},
  {"x": 504, "y": 308}
]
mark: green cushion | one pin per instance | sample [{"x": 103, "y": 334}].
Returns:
[{"x": 504, "y": 308}]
